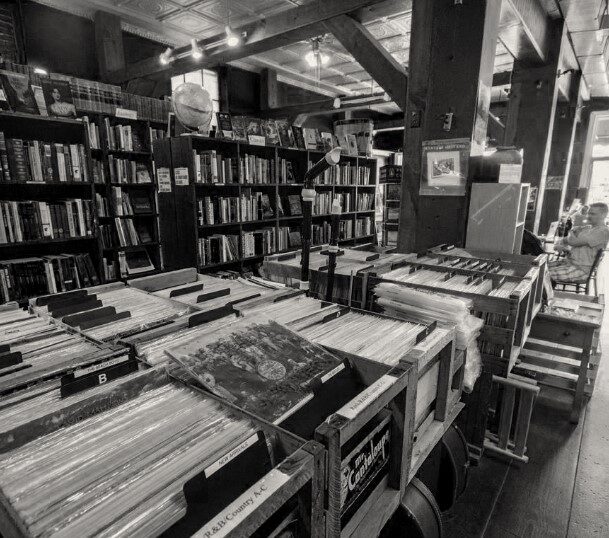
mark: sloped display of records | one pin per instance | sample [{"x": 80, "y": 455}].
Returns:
[
  {"x": 34, "y": 350},
  {"x": 121, "y": 471},
  {"x": 260, "y": 366},
  {"x": 110, "y": 311}
]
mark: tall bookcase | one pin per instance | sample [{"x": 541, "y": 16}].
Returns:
[
  {"x": 180, "y": 226},
  {"x": 48, "y": 130},
  {"x": 105, "y": 154}
]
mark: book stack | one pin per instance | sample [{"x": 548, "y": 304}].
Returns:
[
  {"x": 32, "y": 221},
  {"x": 131, "y": 233},
  {"x": 285, "y": 172},
  {"x": 28, "y": 277},
  {"x": 258, "y": 242},
  {"x": 213, "y": 167},
  {"x": 346, "y": 200},
  {"x": 217, "y": 248},
  {"x": 93, "y": 132},
  {"x": 365, "y": 201},
  {"x": 127, "y": 171},
  {"x": 101, "y": 203},
  {"x": 36, "y": 161},
  {"x": 98, "y": 171},
  {"x": 254, "y": 169},
  {"x": 123, "y": 137},
  {"x": 322, "y": 204},
  {"x": 363, "y": 226}
]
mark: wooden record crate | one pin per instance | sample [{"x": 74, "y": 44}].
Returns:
[
  {"x": 88, "y": 316},
  {"x": 431, "y": 378},
  {"x": 296, "y": 473},
  {"x": 349, "y": 279},
  {"x": 499, "y": 345},
  {"x": 525, "y": 266}
]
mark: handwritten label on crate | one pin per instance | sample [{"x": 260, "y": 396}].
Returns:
[
  {"x": 217, "y": 465},
  {"x": 163, "y": 177},
  {"x": 333, "y": 372},
  {"x": 126, "y": 113},
  {"x": 243, "y": 506},
  {"x": 96, "y": 375},
  {"x": 359, "y": 403},
  {"x": 181, "y": 176}
]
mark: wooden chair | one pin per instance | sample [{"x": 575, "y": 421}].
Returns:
[{"x": 584, "y": 286}]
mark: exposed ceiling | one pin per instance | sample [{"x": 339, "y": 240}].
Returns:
[{"x": 175, "y": 22}]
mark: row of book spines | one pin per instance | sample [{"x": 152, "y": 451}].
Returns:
[
  {"x": 37, "y": 161},
  {"x": 30, "y": 221},
  {"x": 20, "y": 279},
  {"x": 221, "y": 210},
  {"x": 128, "y": 171},
  {"x": 126, "y": 232}
]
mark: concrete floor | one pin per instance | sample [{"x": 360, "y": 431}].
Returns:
[{"x": 564, "y": 489}]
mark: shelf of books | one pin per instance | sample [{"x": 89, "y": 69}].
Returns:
[
  {"x": 127, "y": 208},
  {"x": 239, "y": 202},
  {"x": 65, "y": 143}
]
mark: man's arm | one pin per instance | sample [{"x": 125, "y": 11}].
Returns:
[{"x": 574, "y": 241}]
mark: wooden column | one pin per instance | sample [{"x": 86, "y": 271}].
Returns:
[
  {"x": 565, "y": 125},
  {"x": 268, "y": 89},
  {"x": 452, "y": 47},
  {"x": 530, "y": 120},
  {"x": 108, "y": 43}
]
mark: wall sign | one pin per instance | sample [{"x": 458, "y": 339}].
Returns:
[
  {"x": 163, "y": 177},
  {"x": 181, "y": 176},
  {"x": 444, "y": 167}
]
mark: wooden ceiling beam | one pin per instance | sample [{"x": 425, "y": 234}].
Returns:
[
  {"x": 278, "y": 30},
  {"x": 371, "y": 55},
  {"x": 524, "y": 30},
  {"x": 325, "y": 106}
]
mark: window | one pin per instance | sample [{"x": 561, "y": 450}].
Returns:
[{"x": 207, "y": 79}]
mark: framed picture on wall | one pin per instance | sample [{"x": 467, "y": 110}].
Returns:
[{"x": 444, "y": 165}]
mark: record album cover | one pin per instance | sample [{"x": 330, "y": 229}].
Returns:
[
  {"x": 286, "y": 137},
  {"x": 260, "y": 366},
  {"x": 58, "y": 98}
]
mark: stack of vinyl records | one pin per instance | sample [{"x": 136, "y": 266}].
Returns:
[
  {"x": 109, "y": 312},
  {"x": 122, "y": 470},
  {"x": 34, "y": 350},
  {"x": 464, "y": 262}
]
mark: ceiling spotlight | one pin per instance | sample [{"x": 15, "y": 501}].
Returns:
[
  {"x": 232, "y": 39},
  {"x": 336, "y": 103},
  {"x": 166, "y": 56},
  {"x": 40, "y": 71},
  {"x": 311, "y": 58},
  {"x": 196, "y": 51},
  {"x": 315, "y": 56}
]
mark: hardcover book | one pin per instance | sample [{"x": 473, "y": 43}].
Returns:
[
  {"x": 284, "y": 131},
  {"x": 18, "y": 92},
  {"x": 270, "y": 132},
  {"x": 240, "y": 128},
  {"x": 225, "y": 125},
  {"x": 262, "y": 367},
  {"x": 299, "y": 137}
]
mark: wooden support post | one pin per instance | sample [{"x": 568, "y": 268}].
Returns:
[
  {"x": 108, "y": 43},
  {"x": 454, "y": 45},
  {"x": 530, "y": 120},
  {"x": 565, "y": 124},
  {"x": 268, "y": 89}
]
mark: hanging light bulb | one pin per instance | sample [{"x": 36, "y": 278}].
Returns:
[
  {"x": 311, "y": 58},
  {"x": 324, "y": 58},
  {"x": 40, "y": 71},
  {"x": 166, "y": 56},
  {"x": 196, "y": 51},
  {"x": 232, "y": 39}
]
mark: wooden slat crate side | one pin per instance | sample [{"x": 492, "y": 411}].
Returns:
[{"x": 163, "y": 281}]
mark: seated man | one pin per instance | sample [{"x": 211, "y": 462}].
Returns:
[{"x": 581, "y": 246}]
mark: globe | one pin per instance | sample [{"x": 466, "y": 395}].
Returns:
[{"x": 192, "y": 106}]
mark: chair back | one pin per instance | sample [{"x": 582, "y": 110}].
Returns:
[{"x": 597, "y": 261}]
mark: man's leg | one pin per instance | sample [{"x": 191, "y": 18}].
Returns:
[{"x": 565, "y": 271}]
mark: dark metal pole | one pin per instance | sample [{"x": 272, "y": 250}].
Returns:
[
  {"x": 333, "y": 248},
  {"x": 308, "y": 197}
]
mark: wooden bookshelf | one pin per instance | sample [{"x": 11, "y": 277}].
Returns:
[
  {"x": 104, "y": 153},
  {"x": 178, "y": 209},
  {"x": 49, "y": 130}
]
